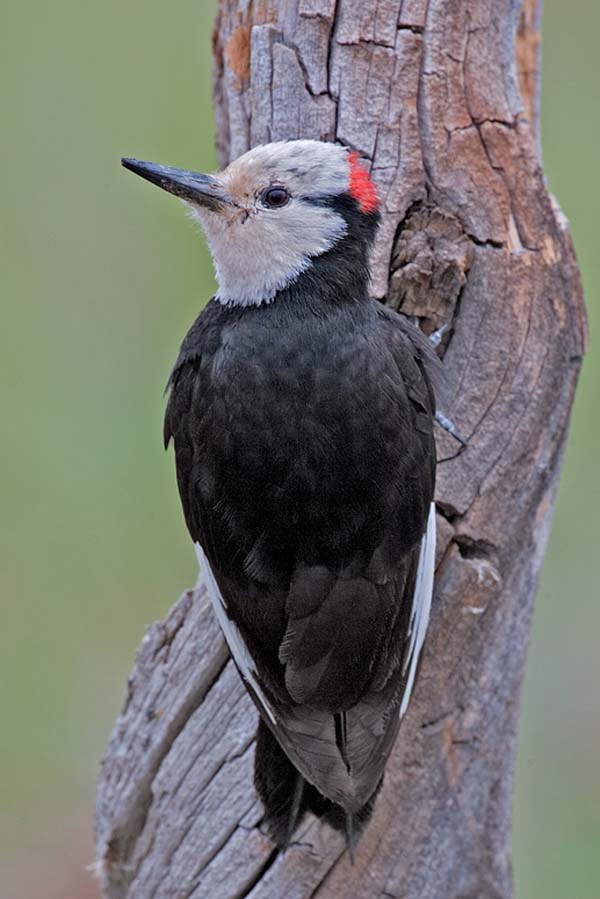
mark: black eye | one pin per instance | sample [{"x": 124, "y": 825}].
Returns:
[{"x": 275, "y": 197}]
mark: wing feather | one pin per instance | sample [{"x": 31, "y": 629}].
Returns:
[
  {"x": 237, "y": 647},
  {"x": 321, "y": 582},
  {"x": 420, "y": 610}
]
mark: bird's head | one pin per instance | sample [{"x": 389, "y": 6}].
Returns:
[{"x": 276, "y": 210}]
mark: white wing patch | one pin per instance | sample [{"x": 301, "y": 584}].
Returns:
[
  {"x": 235, "y": 641},
  {"x": 421, "y": 607}
]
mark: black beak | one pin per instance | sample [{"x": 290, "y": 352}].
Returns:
[{"x": 204, "y": 190}]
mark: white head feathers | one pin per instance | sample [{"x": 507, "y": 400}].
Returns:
[{"x": 258, "y": 250}]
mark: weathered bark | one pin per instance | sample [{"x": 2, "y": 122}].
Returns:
[{"x": 441, "y": 97}]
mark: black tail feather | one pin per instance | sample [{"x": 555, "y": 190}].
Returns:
[
  {"x": 287, "y": 796},
  {"x": 350, "y": 835},
  {"x": 341, "y": 736},
  {"x": 296, "y": 808},
  {"x": 280, "y": 787}
]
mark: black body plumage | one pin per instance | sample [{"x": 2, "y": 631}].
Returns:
[{"x": 303, "y": 433}]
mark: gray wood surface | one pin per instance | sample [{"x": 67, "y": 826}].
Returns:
[{"x": 441, "y": 98}]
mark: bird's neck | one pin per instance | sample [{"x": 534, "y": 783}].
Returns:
[
  {"x": 334, "y": 278},
  {"x": 339, "y": 276}
]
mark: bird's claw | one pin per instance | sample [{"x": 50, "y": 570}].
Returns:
[
  {"x": 436, "y": 337},
  {"x": 448, "y": 425}
]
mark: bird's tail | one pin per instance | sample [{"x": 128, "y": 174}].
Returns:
[{"x": 287, "y": 796}]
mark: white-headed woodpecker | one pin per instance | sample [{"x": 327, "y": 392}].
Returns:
[{"x": 301, "y": 411}]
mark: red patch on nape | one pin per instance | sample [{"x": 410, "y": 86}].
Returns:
[{"x": 361, "y": 187}]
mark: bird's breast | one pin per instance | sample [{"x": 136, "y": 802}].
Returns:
[{"x": 297, "y": 403}]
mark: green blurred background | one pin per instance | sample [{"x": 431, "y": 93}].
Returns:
[{"x": 101, "y": 280}]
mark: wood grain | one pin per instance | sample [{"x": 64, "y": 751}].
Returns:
[{"x": 440, "y": 98}]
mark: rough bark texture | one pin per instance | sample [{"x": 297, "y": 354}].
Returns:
[{"x": 441, "y": 97}]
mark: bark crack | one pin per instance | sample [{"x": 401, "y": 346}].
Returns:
[{"x": 272, "y": 858}]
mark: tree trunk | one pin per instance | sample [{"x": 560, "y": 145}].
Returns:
[{"x": 441, "y": 97}]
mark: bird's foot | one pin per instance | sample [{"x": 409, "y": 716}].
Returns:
[
  {"x": 448, "y": 425},
  {"x": 436, "y": 337}
]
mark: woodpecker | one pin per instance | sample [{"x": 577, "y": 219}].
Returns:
[{"x": 301, "y": 412}]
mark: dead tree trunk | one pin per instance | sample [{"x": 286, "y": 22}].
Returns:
[{"x": 442, "y": 98}]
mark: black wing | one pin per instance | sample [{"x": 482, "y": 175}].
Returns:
[{"x": 307, "y": 484}]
